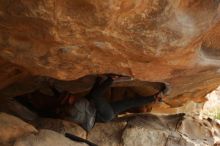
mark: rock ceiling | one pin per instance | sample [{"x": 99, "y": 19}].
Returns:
[{"x": 172, "y": 41}]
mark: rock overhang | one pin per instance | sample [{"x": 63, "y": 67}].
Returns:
[{"x": 174, "y": 42}]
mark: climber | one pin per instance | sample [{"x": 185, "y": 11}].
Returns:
[
  {"x": 84, "y": 111},
  {"x": 62, "y": 104},
  {"x": 94, "y": 107}
]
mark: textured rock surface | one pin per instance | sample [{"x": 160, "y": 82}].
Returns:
[
  {"x": 61, "y": 126},
  {"x": 15, "y": 132},
  {"x": 107, "y": 134},
  {"x": 151, "y": 130},
  {"x": 10, "y": 73},
  {"x": 173, "y": 41},
  {"x": 12, "y": 127},
  {"x": 138, "y": 130},
  {"x": 46, "y": 138}
]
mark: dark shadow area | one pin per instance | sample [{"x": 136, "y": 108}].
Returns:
[{"x": 40, "y": 94}]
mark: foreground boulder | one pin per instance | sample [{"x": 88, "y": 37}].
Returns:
[
  {"x": 131, "y": 130},
  {"x": 12, "y": 128},
  {"x": 152, "y": 130},
  {"x": 46, "y": 138},
  {"x": 176, "y": 130}
]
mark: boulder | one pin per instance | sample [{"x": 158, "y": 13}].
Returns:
[
  {"x": 12, "y": 128},
  {"x": 46, "y": 138}
]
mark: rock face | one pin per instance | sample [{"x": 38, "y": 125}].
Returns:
[
  {"x": 167, "y": 130},
  {"x": 172, "y": 41},
  {"x": 167, "y": 41},
  {"x": 151, "y": 130},
  {"x": 138, "y": 130},
  {"x": 46, "y": 138},
  {"x": 12, "y": 127},
  {"x": 14, "y": 131}
]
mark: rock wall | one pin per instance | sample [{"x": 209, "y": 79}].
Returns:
[
  {"x": 172, "y": 41},
  {"x": 168, "y": 41}
]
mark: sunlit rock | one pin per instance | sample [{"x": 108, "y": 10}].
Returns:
[{"x": 167, "y": 41}]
